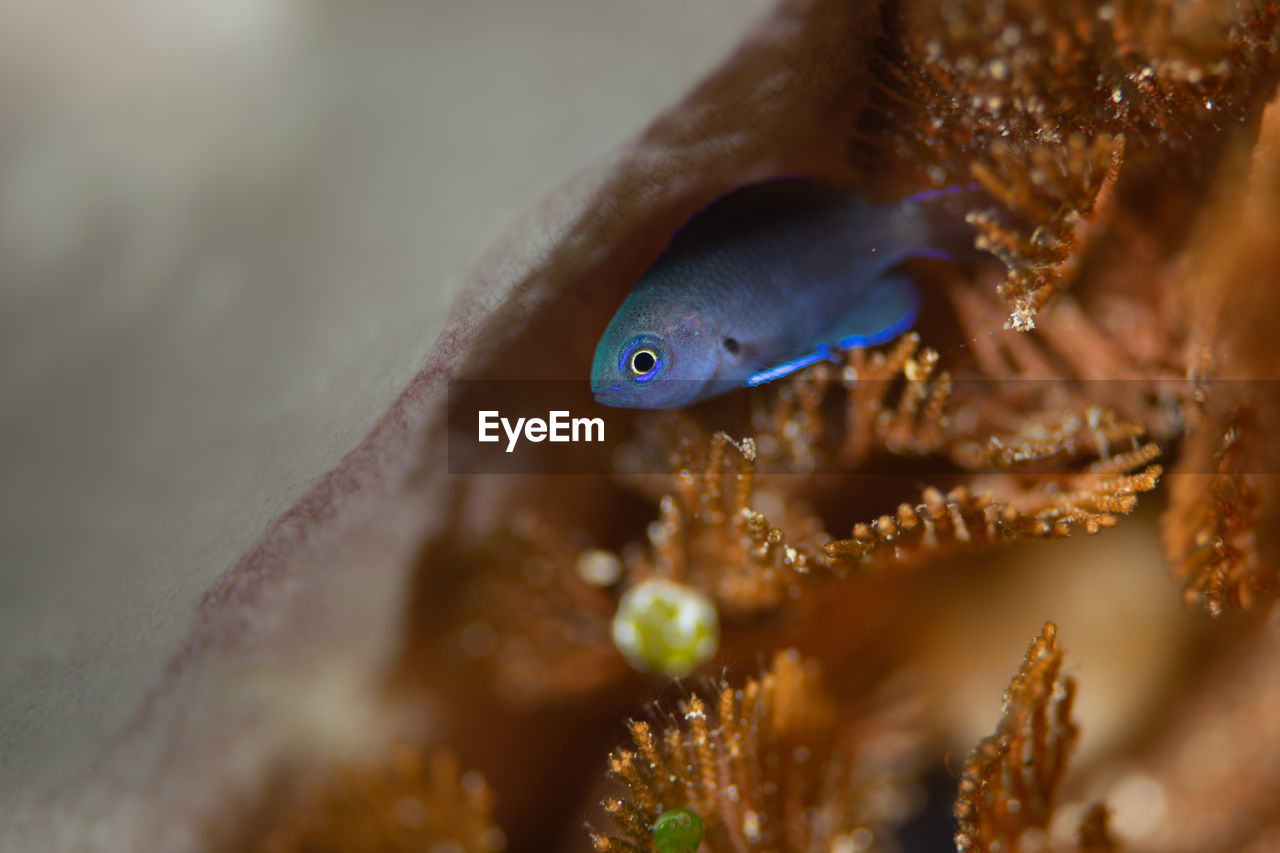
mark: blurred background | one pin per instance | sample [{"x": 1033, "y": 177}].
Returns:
[{"x": 229, "y": 234}]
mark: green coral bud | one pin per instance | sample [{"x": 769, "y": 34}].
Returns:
[
  {"x": 663, "y": 626},
  {"x": 677, "y": 831}
]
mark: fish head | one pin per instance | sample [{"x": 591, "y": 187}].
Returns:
[{"x": 655, "y": 356}]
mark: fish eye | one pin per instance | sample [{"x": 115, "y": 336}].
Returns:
[{"x": 642, "y": 359}]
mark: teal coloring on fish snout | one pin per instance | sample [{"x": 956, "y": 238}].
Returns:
[{"x": 766, "y": 281}]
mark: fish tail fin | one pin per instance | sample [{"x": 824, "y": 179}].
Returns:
[{"x": 937, "y": 220}]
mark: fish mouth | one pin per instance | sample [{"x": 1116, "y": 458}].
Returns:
[
  {"x": 616, "y": 395},
  {"x": 613, "y": 397}
]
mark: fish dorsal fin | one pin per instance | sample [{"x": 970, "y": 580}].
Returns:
[{"x": 760, "y": 206}]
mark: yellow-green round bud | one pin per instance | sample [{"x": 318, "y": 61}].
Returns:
[{"x": 662, "y": 626}]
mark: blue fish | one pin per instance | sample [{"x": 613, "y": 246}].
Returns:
[{"x": 767, "y": 280}]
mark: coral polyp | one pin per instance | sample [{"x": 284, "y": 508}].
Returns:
[{"x": 665, "y": 627}]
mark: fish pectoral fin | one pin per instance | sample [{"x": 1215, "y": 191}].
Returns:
[{"x": 888, "y": 307}]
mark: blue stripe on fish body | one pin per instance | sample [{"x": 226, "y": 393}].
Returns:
[
  {"x": 764, "y": 282},
  {"x": 822, "y": 353}
]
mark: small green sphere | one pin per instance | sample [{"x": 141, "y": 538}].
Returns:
[
  {"x": 662, "y": 626},
  {"x": 677, "y": 831}
]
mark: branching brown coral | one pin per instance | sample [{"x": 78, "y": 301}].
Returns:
[
  {"x": 1008, "y": 784},
  {"x": 917, "y": 424},
  {"x": 707, "y": 525},
  {"x": 1211, "y": 530},
  {"x": 772, "y": 765},
  {"x": 965, "y": 519},
  {"x": 1040, "y": 103},
  {"x": 1058, "y": 188},
  {"x": 896, "y": 400},
  {"x": 1071, "y": 361},
  {"x": 708, "y": 534},
  {"x": 1224, "y": 503},
  {"x": 415, "y": 802}
]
